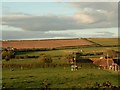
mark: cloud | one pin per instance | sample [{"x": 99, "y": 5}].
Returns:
[
  {"x": 9, "y": 28},
  {"x": 84, "y": 18},
  {"x": 89, "y": 15},
  {"x": 40, "y": 23},
  {"x": 46, "y": 23},
  {"x": 86, "y": 33},
  {"x": 104, "y": 34},
  {"x": 98, "y": 12},
  {"x": 11, "y": 35},
  {"x": 106, "y": 6}
]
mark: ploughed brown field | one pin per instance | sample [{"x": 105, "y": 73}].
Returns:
[{"x": 45, "y": 43}]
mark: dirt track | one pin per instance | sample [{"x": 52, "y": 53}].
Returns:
[{"x": 45, "y": 43}]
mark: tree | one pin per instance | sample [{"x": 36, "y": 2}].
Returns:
[
  {"x": 7, "y": 55},
  {"x": 4, "y": 54}
]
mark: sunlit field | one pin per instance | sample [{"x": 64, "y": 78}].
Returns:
[
  {"x": 58, "y": 77},
  {"x": 24, "y": 72}
]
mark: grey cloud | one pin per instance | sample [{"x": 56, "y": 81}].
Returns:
[
  {"x": 102, "y": 35},
  {"x": 101, "y": 15},
  {"x": 107, "y": 6},
  {"x": 100, "y": 11},
  {"x": 106, "y": 33},
  {"x": 9, "y": 35},
  {"x": 46, "y": 23},
  {"x": 22, "y": 35},
  {"x": 42, "y": 23}
]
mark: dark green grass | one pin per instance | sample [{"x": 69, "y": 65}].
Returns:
[
  {"x": 65, "y": 51},
  {"x": 57, "y": 77}
]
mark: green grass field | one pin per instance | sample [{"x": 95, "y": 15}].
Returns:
[
  {"x": 57, "y": 77},
  {"x": 66, "y": 51},
  {"x": 105, "y": 41}
]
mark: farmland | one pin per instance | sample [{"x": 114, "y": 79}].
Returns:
[
  {"x": 105, "y": 41},
  {"x": 31, "y": 73},
  {"x": 45, "y": 43},
  {"x": 65, "y": 51}
]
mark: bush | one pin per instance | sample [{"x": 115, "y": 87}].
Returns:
[
  {"x": 45, "y": 59},
  {"x": 4, "y": 54},
  {"x": 8, "y": 54}
]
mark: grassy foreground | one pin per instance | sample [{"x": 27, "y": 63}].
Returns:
[{"x": 58, "y": 77}]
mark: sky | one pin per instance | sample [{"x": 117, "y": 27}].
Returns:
[{"x": 58, "y": 20}]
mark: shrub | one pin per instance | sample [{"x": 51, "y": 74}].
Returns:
[
  {"x": 4, "y": 54},
  {"x": 8, "y": 54},
  {"x": 45, "y": 59}
]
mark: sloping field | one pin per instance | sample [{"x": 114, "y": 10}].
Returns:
[
  {"x": 104, "y": 41},
  {"x": 45, "y": 43}
]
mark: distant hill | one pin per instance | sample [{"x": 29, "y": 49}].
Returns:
[
  {"x": 20, "y": 44},
  {"x": 104, "y": 41}
]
